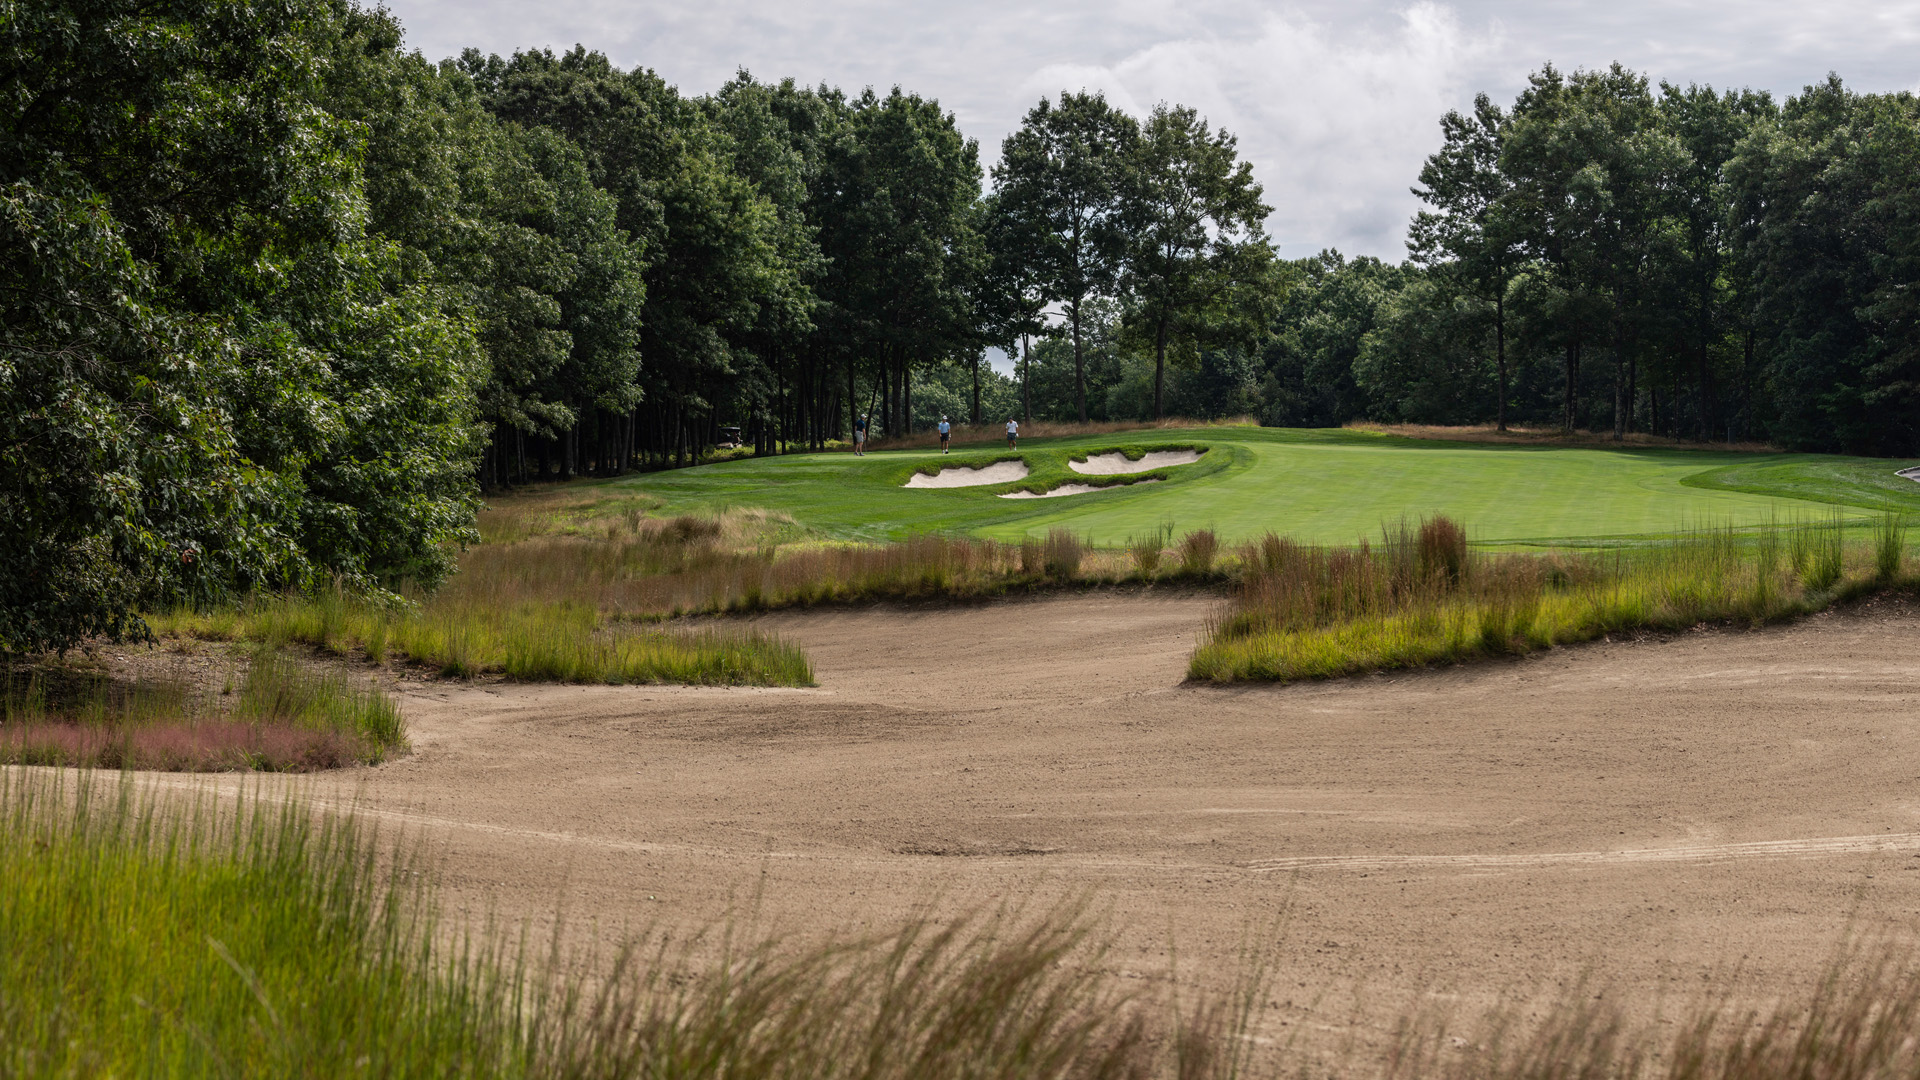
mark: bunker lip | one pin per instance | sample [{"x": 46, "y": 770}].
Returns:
[
  {"x": 1115, "y": 463},
  {"x": 1000, "y": 472},
  {"x": 1073, "y": 489}
]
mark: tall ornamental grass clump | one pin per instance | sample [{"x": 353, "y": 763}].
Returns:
[
  {"x": 1421, "y": 596},
  {"x": 240, "y": 938},
  {"x": 557, "y": 597},
  {"x": 286, "y": 717},
  {"x": 253, "y": 937}
]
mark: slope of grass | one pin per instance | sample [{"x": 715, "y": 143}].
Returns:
[{"x": 1323, "y": 486}]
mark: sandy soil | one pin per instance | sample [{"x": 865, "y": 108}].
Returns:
[
  {"x": 1654, "y": 820},
  {"x": 1071, "y": 489},
  {"x": 1000, "y": 472},
  {"x": 1117, "y": 464}
]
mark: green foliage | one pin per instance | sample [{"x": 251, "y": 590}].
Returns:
[{"x": 212, "y": 375}]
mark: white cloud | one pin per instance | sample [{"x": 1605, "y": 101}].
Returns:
[
  {"x": 1336, "y": 121},
  {"x": 1335, "y": 101}
]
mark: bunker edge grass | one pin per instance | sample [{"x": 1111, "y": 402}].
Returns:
[{"x": 1309, "y": 613}]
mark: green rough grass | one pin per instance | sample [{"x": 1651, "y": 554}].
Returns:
[
  {"x": 249, "y": 937},
  {"x": 1320, "y": 486}
]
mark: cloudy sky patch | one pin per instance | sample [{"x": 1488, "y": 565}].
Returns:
[{"x": 1335, "y": 103}]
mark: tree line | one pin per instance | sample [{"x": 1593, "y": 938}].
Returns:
[{"x": 282, "y": 296}]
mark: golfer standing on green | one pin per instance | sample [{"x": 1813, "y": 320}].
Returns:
[
  {"x": 946, "y": 432},
  {"x": 1013, "y": 432},
  {"x": 860, "y": 437}
]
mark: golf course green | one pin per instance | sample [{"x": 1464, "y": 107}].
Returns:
[{"x": 1319, "y": 486}]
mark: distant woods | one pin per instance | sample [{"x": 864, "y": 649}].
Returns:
[{"x": 282, "y": 297}]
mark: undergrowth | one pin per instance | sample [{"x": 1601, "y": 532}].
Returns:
[
  {"x": 552, "y": 596},
  {"x": 286, "y": 716},
  {"x": 1422, "y": 596}
]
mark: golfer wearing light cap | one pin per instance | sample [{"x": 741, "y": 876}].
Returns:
[{"x": 946, "y": 432}]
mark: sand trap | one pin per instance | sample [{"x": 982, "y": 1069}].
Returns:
[
  {"x": 1116, "y": 463},
  {"x": 1000, "y": 472},
  {"x": 1912, "y": 474},
  {"x": 1073, "y": 489}
]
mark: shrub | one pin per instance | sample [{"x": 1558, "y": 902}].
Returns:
[
  {"x": 1197, "y": 551},
  {"x": 1442, "y": 550},
  {"x": 286, "y": 717},
  {"x": 1147, "y": 551},
  {"x": 1889, "y": 546},
  {"x": 1829, "y": 554},
  {"x": 1064, "y": 550}
]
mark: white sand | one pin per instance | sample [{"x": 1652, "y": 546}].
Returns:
[
  {"x": 1000, "y": 472},
  {"x": 1074, "y": 489},
  {"x": 1116, "y": 463},
  {"x": 1912, "y": 474}
]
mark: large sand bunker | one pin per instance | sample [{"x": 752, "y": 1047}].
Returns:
[
  {"x": 1117, "y": 464},
  {"x": 1468, "y": 836},
  {"x": 1071, "y": 489},
  {"x": 1912, "y": 474},
  {"x": 1000, "y": 472}
]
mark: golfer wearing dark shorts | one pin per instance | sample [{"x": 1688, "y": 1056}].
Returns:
[
  {"x": 946, "y": 432},
  {"x": 1013, "y": 432}
]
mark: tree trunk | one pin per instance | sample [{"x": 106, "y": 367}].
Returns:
[
  {"x": 1079, "y": 366},
  {"x": 979, "y": 358},
  {"x": 1633, "y": 385},
  {"x": 1159, "y": 365},
  {"x": 1026, "y": 370},
  {"x": 1500, "y": 354},
  {"x": 1619, "y": 384},
  {"x": 1573, "y": 376}
]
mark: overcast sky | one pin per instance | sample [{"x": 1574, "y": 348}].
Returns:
[{"x": 1334, "y": 103}]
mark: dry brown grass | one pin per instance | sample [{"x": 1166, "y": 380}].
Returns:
[
  {"x": 1542, "y": 436},
  {"x": 996, "y": 432}
]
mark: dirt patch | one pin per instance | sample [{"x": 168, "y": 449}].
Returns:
[
  {"x": 1072, "y": 489},
  {"x": 1669, "y": 820},
  {"x": 1118, "y": 464},
  {"x": 1000, "y": 472}
]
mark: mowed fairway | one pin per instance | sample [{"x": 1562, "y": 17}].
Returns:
[{"x": 1317, "y": 486}]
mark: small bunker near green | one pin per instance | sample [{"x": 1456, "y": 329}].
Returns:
[
  {"x": 1072, "y": 489},
  {"x": 1115, "y": 463},
  {"x": 1000, "y": 472}
]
